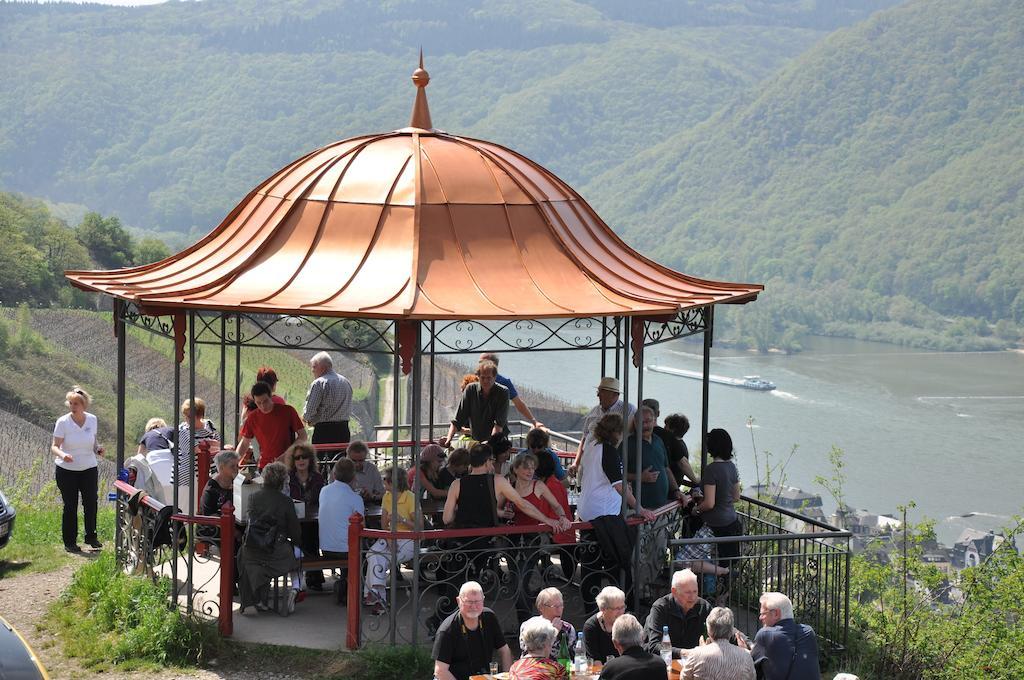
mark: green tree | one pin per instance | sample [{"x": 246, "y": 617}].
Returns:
[
  {"x": 149, "y": 250},
  {"x": 107, "y": 241}
]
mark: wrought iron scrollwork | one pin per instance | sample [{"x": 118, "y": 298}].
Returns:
[
  {"x": 511, "y": 569},
  {"x": 685, "y": 323},
  {"x": 158, "y": 325},
  {"x": 297, "y": 332},
  {"x": 455, "y": 337}
]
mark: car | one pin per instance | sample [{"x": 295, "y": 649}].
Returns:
[
  {"x": 7, "y": 516},
  {"x": 17, "y": 659}
]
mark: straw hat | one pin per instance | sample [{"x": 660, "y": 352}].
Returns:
[{"x": 610, "y": 384}]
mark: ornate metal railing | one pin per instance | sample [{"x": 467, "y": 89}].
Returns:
[
  {"x": 511, "y": 563},
  {"x": 782, "y": 551},
  {"x": 155, "y": 542}
]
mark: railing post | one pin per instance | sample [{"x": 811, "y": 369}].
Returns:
[
  {"x": 355, "y": 527},
  {"x": 203, "y": 455},
  {"x": 227, "y": 568}
]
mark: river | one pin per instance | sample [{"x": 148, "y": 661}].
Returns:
[{"x": 944, "y": 430}]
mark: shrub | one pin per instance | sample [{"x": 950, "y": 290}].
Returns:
[{"x": 109, "y": 618}]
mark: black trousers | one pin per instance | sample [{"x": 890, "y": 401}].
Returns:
[
  {"x": 614, "y": 565},
  {"x": 73, "y": 483},
  {"x": 331, "y": 433},
  {"x": 311, "y": 550},
  {"x": 341, "y": 594}
]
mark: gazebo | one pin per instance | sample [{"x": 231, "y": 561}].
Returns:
[{"x": 413, "y": 243}]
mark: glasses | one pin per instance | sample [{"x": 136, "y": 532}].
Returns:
[{"x": 472, "y": 602}]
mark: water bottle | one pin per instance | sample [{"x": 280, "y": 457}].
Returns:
[
  {"x": 580, "y": 658},
  {"x": 666, "y": 646}
]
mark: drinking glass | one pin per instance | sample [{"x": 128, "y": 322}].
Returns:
[{"x": 494, "y": 668}]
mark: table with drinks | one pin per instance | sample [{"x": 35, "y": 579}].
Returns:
[{"x": 592, "y": 672}]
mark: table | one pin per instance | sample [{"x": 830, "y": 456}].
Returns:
[{"x": 674, "y": 674}]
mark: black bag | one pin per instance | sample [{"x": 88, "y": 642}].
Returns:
[{"x": 261, "y": 534}]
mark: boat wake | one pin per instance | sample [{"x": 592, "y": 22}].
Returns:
[
  {"x": 785, "y": 395},
  {"x": 968, "y": 515},
  {"x": 969, "y": 398}
]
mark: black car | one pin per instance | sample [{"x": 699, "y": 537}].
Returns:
[
  {"x": 7, "y": 515},
  {"x": 17, "y": 660}
]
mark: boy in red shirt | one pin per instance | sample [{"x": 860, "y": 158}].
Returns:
[{"x": 274, "y": 426}]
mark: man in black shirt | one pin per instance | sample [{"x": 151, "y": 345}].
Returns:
[
  {"x": 467, "y": 639},
  {"x": 682, "y": 611}
]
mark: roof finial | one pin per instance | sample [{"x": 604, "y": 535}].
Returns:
[{"x": 420, "y": 110}]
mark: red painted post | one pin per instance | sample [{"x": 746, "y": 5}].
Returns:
[
  {"x": 227, "y": 568},
  {"x": 203, "y": 464},
  {"x": 355, "y": 598}
]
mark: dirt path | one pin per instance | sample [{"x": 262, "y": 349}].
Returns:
[{"x": 24, "y": 600}]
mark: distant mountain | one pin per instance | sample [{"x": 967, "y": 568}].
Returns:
[
  {"x": 875, "y": 183},
  {"x": 167, "y": 115}
]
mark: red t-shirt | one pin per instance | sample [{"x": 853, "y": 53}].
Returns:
[{"x": 273, "y": 431}]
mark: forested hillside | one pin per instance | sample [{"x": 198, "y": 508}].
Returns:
[
  {"x": 863, "y": 160},
  {"x": 167, "y": 115},
  {"x": 874, "y": 183}
]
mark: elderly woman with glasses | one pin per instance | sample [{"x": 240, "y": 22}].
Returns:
[
  {"x": 597, "y": 630},
  {"x": 74, "y": 450},
  {"x": 304, "y": 484},
  {"x": 536, "y": 638}
]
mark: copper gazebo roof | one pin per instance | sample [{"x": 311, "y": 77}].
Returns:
[{"x": 414, "y": 224}]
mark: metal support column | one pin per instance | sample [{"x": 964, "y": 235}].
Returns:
[
  {"x": 416, "y": 430},
  {"x": 175, "y": 482},
  {"x": 604, "y": 346},
  {"x": 396, "y": 417},
  {"x": 709, "y": 323},
  {"x": 191, "y": 485},
  {"x": 238, "y": 374},
  {"x": 122, "y": 384},
  {"x": 223, "y": 374}
]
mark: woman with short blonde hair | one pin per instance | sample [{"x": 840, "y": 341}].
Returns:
[{"x": 74, "y": 448}]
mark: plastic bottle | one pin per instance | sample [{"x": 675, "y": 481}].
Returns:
[
  {"x": 564, "y": 660},
  {"x": 580, "y": 658},
  {"x": 666, "y": 646}
]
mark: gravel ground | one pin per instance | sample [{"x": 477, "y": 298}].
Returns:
[{"x": 24, "y": 600}]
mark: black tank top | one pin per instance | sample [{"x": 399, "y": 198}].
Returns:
[{"x": 476, "y": 508}]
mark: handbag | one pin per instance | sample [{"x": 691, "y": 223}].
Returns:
[{"x": 261, "y": 534}]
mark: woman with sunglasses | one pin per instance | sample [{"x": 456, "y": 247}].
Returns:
[
  {"x": 74, "y": 450},
  {"x": 304, "y": 484}
]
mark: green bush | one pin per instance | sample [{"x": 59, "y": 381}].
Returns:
[
  {"x": 107, "y": 618},
  {"x": 903, "y": 628},
  {"x": 379, "y": 662}
]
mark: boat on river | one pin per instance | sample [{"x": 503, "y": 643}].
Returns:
[{"x": 750, "y": 382}]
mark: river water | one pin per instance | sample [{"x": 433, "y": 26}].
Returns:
[{"x": 944, "y": 430}]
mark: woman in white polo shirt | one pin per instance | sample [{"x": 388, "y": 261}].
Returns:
[{"x": 75, "y": 449}]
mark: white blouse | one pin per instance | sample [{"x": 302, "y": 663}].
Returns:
[{"x": 80, "y": 442}]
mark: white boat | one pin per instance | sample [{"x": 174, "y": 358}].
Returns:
[{"x": 750, "y": 382}]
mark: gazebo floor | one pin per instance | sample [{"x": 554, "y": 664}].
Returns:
[{"x": 319, "y": 623}]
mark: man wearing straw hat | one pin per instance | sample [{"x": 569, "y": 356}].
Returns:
[{"x": 609, "y": 400}]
